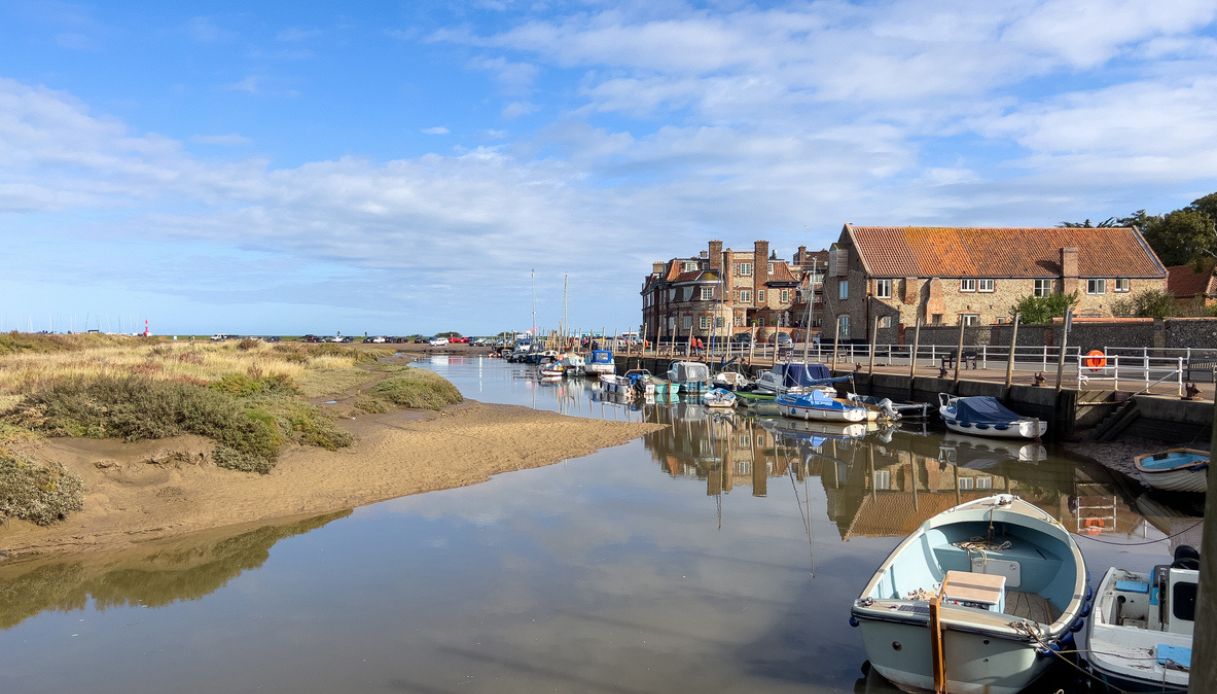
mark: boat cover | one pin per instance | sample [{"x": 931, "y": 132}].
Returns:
[
  {"x": 982, "y": 409},
  {"x": 601, "y": 356},
  {"x": 800, "y": 375},
  {"x": 689, "y": 372}
]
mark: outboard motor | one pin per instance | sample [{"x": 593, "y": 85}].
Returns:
[
  {"x": 1186, "y": 557},
  {"x": 886, "y": 406}
]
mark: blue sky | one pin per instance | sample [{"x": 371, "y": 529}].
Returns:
[{"x": 401, "y": 167}]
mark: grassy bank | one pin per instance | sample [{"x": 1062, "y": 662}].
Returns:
[{"x": 250, "y": 398}]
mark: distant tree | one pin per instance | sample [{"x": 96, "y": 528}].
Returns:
[
  {"x": 1035, "y": 310},
  {"x": 450, "y": 333},
  {"x": 1087, "y": 224},
  {"x": 1151, "y": 303},
  {"x": 1206, "y": 204},
  {"x": 1183, "y": 236}
]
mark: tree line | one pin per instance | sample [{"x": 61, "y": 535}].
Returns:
[{"x": 1182, "y": 236}]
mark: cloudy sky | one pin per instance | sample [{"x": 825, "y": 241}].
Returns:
[{"x": 401, "y": 167}]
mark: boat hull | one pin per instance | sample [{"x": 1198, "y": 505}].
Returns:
[
  {"x": 976, "y": 662},
  {"x": 1023, "y": 429},
  {"x": 1116, "y": 652},
  {"x": 852, "y": 415},
  {"x": 1194, "y": 481}
]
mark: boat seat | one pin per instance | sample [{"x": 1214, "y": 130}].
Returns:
[
  {"x": 1177, "y": 656},
  {"x": 970, "y": 589},
  {"x": 1132, "y": 586}
]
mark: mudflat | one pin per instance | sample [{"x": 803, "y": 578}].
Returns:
[{"x": 155, "y": 489}]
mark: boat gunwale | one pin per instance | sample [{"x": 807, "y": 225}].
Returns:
[{"x": 1194, "y": 466}]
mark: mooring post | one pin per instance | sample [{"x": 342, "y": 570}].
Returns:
[
  {"x": 1204, "y": 662},
  {"x": 1060, "y": 361},
  {"x": 959, "y": 351},
  {"x": 874, "y": 334},
  {"x": 1011, "y": 355}
]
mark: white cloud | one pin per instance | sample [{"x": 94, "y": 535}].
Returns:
[
  {"x": 221, "y": 139},
  {"x": 206, "y": 30},
  {"x": 297, "y": 35},
  {"x": 435, "y": 130},
  {"x": 250, "y": 84}
]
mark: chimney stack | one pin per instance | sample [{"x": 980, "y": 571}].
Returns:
[
  {"x": 1069, "y": 270},
  {"x": 657, "y": 268},
  {"x": 760, "y": 264},
  {"x": 716, "y": 255}
]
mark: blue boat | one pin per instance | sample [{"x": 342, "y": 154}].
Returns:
[
  {"x": 600, "y": 363},
  {"x": 795, "y": 375},
  {"x": 822, "y": 404},
  {"x": 1175, "y": 470}
]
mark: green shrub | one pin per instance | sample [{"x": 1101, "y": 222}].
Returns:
[
  {"x": 249, "y": 385},
  {"x": 248, "y": 429},
  {"x": 417, "y": 389},
  {"x": 248, "y": 343},
  {"x": 38, "y": 493},
  {"x": 371, "y": 404}
]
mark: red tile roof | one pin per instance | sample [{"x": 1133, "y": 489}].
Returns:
[
  {"x": 1183, "y": 281},
  {"x": 997, "y": 253},
  {"x": 781, "y": 273}
]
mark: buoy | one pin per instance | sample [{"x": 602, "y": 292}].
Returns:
[{"x": 1095, "y": 359}]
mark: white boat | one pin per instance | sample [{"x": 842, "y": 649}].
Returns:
[
  {"x": 552, "y": 369},
  {"x": 1140, "y": 636},
  {"x": 731, "y": 380},
  {"x": 689, "y": 376},
  {"x": 719, "y": 398},
  {"x": 982, "y": 415},
  {"x": 1175, "y": 470},
  {"x": 975, "y": 599},
  {"x": 822, "y": 404},
  {"x": 573, "y": 364}
]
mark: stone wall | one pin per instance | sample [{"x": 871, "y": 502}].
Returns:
[{"x": 1198, "y": 334}]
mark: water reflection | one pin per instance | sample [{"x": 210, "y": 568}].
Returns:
[{"x": 152, "y": 576}]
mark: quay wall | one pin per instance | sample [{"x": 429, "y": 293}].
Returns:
[{"x": 1171, "y": 333}]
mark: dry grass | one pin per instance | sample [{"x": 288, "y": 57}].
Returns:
[{"x": 315, "y": 371}]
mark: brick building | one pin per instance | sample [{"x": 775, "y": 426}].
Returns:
[
  {"x": 720, "y": 292},
  {"x": 942, "y": 276},
  {"x": 1193, "y": 290}
]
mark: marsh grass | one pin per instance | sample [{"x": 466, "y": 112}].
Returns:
[
  {"x": 417, "y": 389},
  {"x": 36, "y": 492}
]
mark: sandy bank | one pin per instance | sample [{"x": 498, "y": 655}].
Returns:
[{"x": 148, "y": 490}]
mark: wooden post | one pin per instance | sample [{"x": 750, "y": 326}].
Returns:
[
  {"x": 1012, "y": 353},
  {"x": 836, "y": 341},
  {"x": 874, "y": 336},
  {"x": 913, "y": 354},
  {"x": 959, "y": 351},
  {"x": 689, "y": 345},
  {"x": 937, "y": 652},
  {"x": 1060, "y": 360},
  {"x": 1204, "y": 664}
]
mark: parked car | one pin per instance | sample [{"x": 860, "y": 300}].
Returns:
[
  {"x": 439, "y": 342},
  {"x": 458, "y": 340}
]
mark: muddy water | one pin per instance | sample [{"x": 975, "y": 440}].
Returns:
[{"x": 720, "y": 554}]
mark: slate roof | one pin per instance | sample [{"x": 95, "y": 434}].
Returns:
[
  {"x": 1183, "y": 281},
  {"x": 1002, "y": 252}
]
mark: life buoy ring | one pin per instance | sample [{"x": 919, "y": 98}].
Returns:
[{"x": 1095, "y": 359}]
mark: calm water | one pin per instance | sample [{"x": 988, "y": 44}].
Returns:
[{"x": 720, "y": 554}]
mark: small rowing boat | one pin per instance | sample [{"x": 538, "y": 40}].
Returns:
[{"x": 1175, "y": 470}]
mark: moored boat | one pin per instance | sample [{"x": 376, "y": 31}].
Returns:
[
  {"x": 1175, "y": 470},
  {"x": 1140, "y": 636},
  {"x": 975, "y": 600},
  {"x": 552, "y": 369},
  {"x": 822, "y": 404},
  {"x": 689, "y": 376},
  {"x": 795, "y": 375},
  {"x": 719, "y": 398},
  {"x": 600, "y": 363},
  {"x": 982, "y": 415}
]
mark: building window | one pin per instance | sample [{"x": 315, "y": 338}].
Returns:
[
  {"x": 966, "y": 483},
  {"x": 936, "y": 319},
  {"x": 883, "y": 289},
  {"x": 883, "y": 479},
  {"x": 1043, "y": 288},
  {"x": 739, "y": 320},
  {"x": 1123, "y": 285},
  {"x": 885, "y": 322},
  {"x": 703, "y": 323},
  {"x": 690, "y": 265},
  {"x": 744, "y": 269},
  {"x": 843, "y": 290},
  {"x": 1096, "y": 286},
  {"x": 984, "y": 482},
  {"x": 843, "y": 327},
  {"x": 745, "y": 296},
  {"x": 970, "y": 318},
  {"x": 967, "y": 285},
  {"x": 686, "y": 322},
  {"x": 771, "y": 268},
  {"x": 707, "y": 293},
  {"x": 985, "y": 285},
  {"x": 718, "y": 321},
  {"x": 688, "y": 293},
  {"x": 760, "y": 296},
  {"x": 671, "y": 295},
  {"x": 671, "y": 324},
  {"x": 785, "y": 296}
]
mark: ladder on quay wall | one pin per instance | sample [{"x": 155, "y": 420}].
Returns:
[{"x": 1096, "y": 514}]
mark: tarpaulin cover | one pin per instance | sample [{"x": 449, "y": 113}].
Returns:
[
  {"x": 798, "y": 375},
  {"x": 982, "y": 409},
  {"x": 601, "y": 356}
]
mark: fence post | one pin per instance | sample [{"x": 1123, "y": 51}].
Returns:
[
  {"x": 1179, "y": 373},
  {"x": 933, "y": 354},
  {"x": 1117, "y": 369},
  {"x": 984, "y": 356},
  {"x": 1145, "y": 359},
  {"x": 1045, "y": 368},
  {"x": 1011, "y": 355}
]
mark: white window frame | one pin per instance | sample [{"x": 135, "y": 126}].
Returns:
[
  {"x": 970, "y": 319},
  {"x": 743, "y": 269},
  {"x": 784, "y": 296},
  {"x": 718, "y": 321},
  {"x": 703, "y": 322},
  {"x": 966, "y": 484},
  {"x": 760, "y": 296},
  {"x": 770, "y": 268},
  {"x": 738, "y": 321},
  {"x": 843, "y": 290},
  {"x": 689, "y": 266},
  {"x": 1096, "y": 283},
  {"x": 745, "y": 296},
  {"x": 883, "y": 289},
  {"x": 967, "y": 284},
  {"x": 986, "y": 285},
  {"x": 1123, "y": 285},
  {"x": 885, "y": 322},
  {"x": 707, "y": 293},
  {"x": 1042, "y": 288},
  {"x": 843, "y": 326}
]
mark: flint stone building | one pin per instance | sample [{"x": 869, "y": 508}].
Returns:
[{"x": 944, "y": 276}]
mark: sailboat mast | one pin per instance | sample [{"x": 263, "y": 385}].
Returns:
[
  {"x": 532, "y": 279},
  {"x": 811, "y": 300},
  {"x": 565, "y": 313}
]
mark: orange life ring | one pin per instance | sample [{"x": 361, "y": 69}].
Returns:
[
  {"x": 1093, "y": 523},
  {"x": 1095, "y": 359}
]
